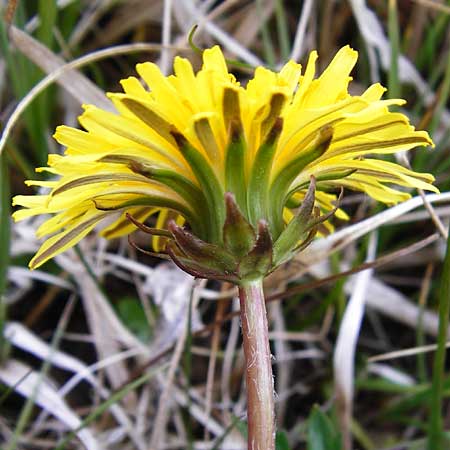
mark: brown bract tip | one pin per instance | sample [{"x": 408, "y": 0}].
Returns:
[
  {"x": 264, "y": 239},
  {"x": 325, "y": 136},
  {"x": 140, "y": 168},
  {"x": 173, "y": 227},
  {"x": 235, "y": 130},
  {"x": 180, "y": 140},
  {"x": 230, "y": 201},
  {"x": 275, "y": 131}
]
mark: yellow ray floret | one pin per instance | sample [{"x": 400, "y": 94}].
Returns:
[{"x": 178, "y": 143}]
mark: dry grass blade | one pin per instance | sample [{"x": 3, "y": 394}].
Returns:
[
  {"x": 160, "y": 423},
  {"x": 282, "y": 349},
  {"x": 90, "y": 17},
  {"x": 109, "y": 333},
  {"x": 15, "y": 273},
  {"x": 248, "y": 28},
  {"x": 46, "y": 397},
  {"x": 230, "y": 350},
  {"x": 79, "y": 86},
  {"x": 405, "y": 353},
  {"x": 320, "y": 250},
  {"x": 166, "y": 33},
  {"x": 345, "y": 348},
  {"x": 130, "y": 16},
  {"x": 430, "y": 209},
  {"x": 299, "y": 47},
  {"x": 367, "y": 265},
  {"x": 215, "y": 342},
  {"x": 393, "y": 304},
  {"x": 233, "y": 441},
  {"x": 21, "y": 337},
  {"x": 436, "y": 5},
  {"x": 375, "y": 38}
]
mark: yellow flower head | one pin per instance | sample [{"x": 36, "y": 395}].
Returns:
[{"x": 175, "y": 148}]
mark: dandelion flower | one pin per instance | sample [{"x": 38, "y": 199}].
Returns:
[
  {"x": 179, "y": 146},
  {"x": 238, "y": 178}
]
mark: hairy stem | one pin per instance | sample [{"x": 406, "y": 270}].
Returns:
[{"x": 260, "y": 394}]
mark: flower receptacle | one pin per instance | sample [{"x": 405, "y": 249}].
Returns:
[{"x": 245, "y": 254}]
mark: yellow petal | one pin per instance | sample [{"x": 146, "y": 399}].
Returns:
[
  {"x": 132, "y": 86},
  {"x": 331, "y": 86},
  {"x": 214, "y": 60},
  {"x": 290, "y": 75},
  {"x": 66, "y": 239},
  {"x": 81, "y": 141},
  {"x": 374, "y": 92},
  {"x": 123, "y": 226},
  {"x": 306, "y": 80}
]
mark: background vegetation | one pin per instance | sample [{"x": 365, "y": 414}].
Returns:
[{"x": 104, "y": 348}]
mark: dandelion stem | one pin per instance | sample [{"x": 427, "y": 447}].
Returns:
[{"x": 260, "y": 394}]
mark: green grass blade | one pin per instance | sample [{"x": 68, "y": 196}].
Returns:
[
  {"x": 394, "y": 37},
  {"x": 23, "y": 75},
  {"x": 322, "y": 434},
  {"x": 282, "y": 30},
  {"x": 435, "y": 431},
  {"x": 37, "y": 114},
  {"x": 269, "y": 51},
  {"x": 16, "y": 77},
  {"x": 221, "y": 439},
  {"x": 48, "y": 13},
  {"x": 5, "y": 233},
  {"x": 20, "y": 162},
  {"x": 5, "y": 221},
  {"x": 444, "y": 94},
  {"x": 426, "y": 56}
]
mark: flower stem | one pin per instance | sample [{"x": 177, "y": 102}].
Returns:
[{"x": 260, "y": 394}]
